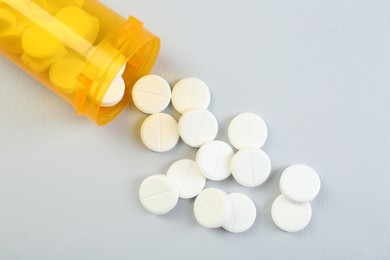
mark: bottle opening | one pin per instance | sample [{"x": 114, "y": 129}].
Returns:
[{"x": 138, "y": 64}]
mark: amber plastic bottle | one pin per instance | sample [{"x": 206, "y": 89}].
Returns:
[{"x": 76, "y": 48}]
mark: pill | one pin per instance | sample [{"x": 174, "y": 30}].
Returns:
[
  {"x": 77, "y": 21},
  {"x": 63, "y": 73},
  {"x": 212, "y": 208},
  {"x": 53, "y": 6},
  {"x": 250, "y": 167},
  {"x": 114, "y": 93},
  {"x": 243, "y": 213},
  {"x": 188, "y": 178},
  {"x": 290, "y": 216},
  {"x": 247, "y": 130},
  {"x": 39, "y": 42},
  {"x": 197, "y": 127},
  {"x": 94, "y": 29},
  {"x": 12, "y": 28},
  {"x": 300, "y": 183},
  {"x": 213, "y": 159},
  {"x": 10, "y": 40},
  {"x": 151, "y": 94},
  {"x": 159, "y": 132},
  {"x": 158, "y": 194},
  {"x": 41, "y": 65},
  {"x": 190, "y": 93},
  {"x": 7, "y": 18},
  {"x": 73, "y": 2}
]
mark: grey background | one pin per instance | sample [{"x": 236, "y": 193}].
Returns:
[{"x": 317, "y": 71}]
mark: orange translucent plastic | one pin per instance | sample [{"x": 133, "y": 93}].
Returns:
[{"x": 76, "y": 48}]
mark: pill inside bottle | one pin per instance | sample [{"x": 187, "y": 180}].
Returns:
[{"x": 80, "y": 49}]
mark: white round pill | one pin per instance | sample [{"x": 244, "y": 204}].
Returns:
[
  {"x": 151, "y": 94},
  {"x": 114, "y": 94},
  {"x": 190, "y": 93},
  {"x": 290, "y": 216},
  {"x": 197, "y": 127},
  {"x": 158, "y": 194},
  {"x": 247, "y": 130},
  {"x": 159, "y": 132},
  {"x": 212, "y": 207},
  {"x": 243, "y": 213},
  {"x": 188, "y": 178},
  {"x": 300, "y": 183},
  {"x": 250, "y": 167},
  {"x": 213, "y": 159}
]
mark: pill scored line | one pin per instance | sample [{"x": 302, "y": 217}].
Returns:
[
  {"x": 199, "y": 127},
  {"x": 234, "y": 217},
  {"x": 150, "y": 93},
  {"x": 189, "y": 170},
  {"x": 218, "y": 158},
  {"x": 209, "y": 207},
  {"x": 156, "y": 195}
]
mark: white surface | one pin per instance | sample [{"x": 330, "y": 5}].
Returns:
[
  {"x": 250, "y": 167},
  {"x": 212, "y": 207},
  {"x": 190, "y": 93},
  {"x": 300, "y": 183},
  {"x": 248, "y": 130},
  {"x": 290, "y": 216},
  {"x": 159, "y": 132},
  {"x": 188, "y": 178},
  {"x": 243, "y": 213},
  {"x": 114, "y": 93},
  {"x": 151, "y": 94},
  {"x": 213, "y": 159},
  {"x": 197, "y": 127},
  {"x": 158, "y": 194},
  {"x": 316, "y": 71}
]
